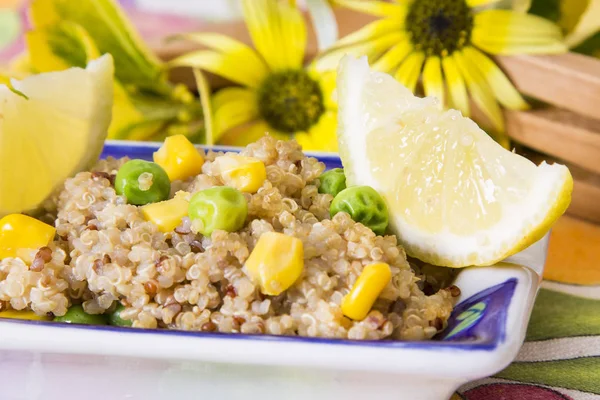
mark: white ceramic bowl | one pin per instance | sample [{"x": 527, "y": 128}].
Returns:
[{"x": 40, "y": 360}]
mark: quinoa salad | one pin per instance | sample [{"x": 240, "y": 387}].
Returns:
[{"x": 261, "y": 242}]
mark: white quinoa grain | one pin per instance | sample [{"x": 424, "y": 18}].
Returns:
[{"x": 106, "y": 253}]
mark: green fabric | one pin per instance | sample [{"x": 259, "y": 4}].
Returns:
[
  {"x": 560, "y": 315},
  {"x": 579, "y": 373}
]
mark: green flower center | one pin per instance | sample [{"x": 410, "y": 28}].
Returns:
[
  {"x": 439, "y": 27},
  {"x": 290, "y": 101}
]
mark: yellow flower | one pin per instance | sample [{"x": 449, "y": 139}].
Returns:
[
  {"x": 278, "y": 95},
  {"x": 579, "y": 20},
  {"x": 444, "y": 42}
]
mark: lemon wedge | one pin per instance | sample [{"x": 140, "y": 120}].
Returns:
[
  {"x": 52, "y": 125},
  {"x": 456, "y": 198}
]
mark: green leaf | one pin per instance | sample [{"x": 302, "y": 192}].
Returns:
[
  {"x": 17, "y": 92},
  {"x": 60, "y": 46},
  {"x": 69, "y": 42},
  {"x": 112, "y": 33},
  {"x": 5, "y": 78},
  {"x": 204, "y": 92}
]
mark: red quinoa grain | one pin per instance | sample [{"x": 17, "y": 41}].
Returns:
[
  {"x": 209, "y": 327},
  {"x": 454, "y": 291},
  {"x": 43, "y": 256}
]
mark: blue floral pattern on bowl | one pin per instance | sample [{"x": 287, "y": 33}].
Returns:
[{"x": 481, "y": 318}]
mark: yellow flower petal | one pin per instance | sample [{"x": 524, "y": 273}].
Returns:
[
  {"x": 410, "y": 70},
  {"x": 374, "y": 7},
  {"x": 508, "y": 32},
  {"x": 232, "y": 107},
  {"x": 370, "y": 31},
  {"x": 324, "y": 22},
  {"x": 503, "y": 89},
  {"x": 480, "y": 90},
  {"x": 372, "y": 49},
  {"x": 433, "y": 82},
  {"x": 322, "y": 135},
  {"x": 20, "y": 65},
  {"x": 245, "y": 55},
  {"x": 393, "y": 57},
  {"x": 249, "y": 133},
  {"x": 43, "y": 13},
  {"x": 500, "y": 46},
  {"x": 225, "y": 65},
  {"x": 278, "y": 32},
  {"x": 581, "y": 19},
  {"x": 456, "y": 86},
  {"x": 229, "y": 94},
  {"x": 327, "y": 82},
  {"x": 481, "y": 3},
  {"x": 521, "y": 6},
  {"x": 509, "y": 22},
  {"x": 5, "y": 78},
  {"x": 124, "y": 113}
]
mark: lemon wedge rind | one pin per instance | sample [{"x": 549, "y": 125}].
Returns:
[{"x": 517, "y": 201}]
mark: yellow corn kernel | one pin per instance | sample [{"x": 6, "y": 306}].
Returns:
[
  {"x": 246, "y": 174},
  {"x": 20, "y": 234},
  {"x": 30, "y": 315},
  {"x": 369, "y": 285},
  {"x": 276, "y": 262},
  {"x": 166, "y": 214},
  {"x": 179, "y": 158}
]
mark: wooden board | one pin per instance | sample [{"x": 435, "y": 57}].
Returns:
[
  {"x": 560, "y": 133},
  {"x": 570, "y": 81},
  {"x": 586, "y": 197}
]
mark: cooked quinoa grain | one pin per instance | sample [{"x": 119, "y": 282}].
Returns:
[{"x": 106, "y": 252}]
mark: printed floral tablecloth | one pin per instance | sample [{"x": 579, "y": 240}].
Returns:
[{"x": 561, "y": 357}]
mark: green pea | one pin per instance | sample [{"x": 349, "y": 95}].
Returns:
[
  {"x": 364, "y": 205},
  {"x": 332, "y": 181},
  {"x": 220, "y": 207},
  {"x": 127, "y": 182},
  {"x": 114, "y": 318},
  {"x": 76, "y": 315}
]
